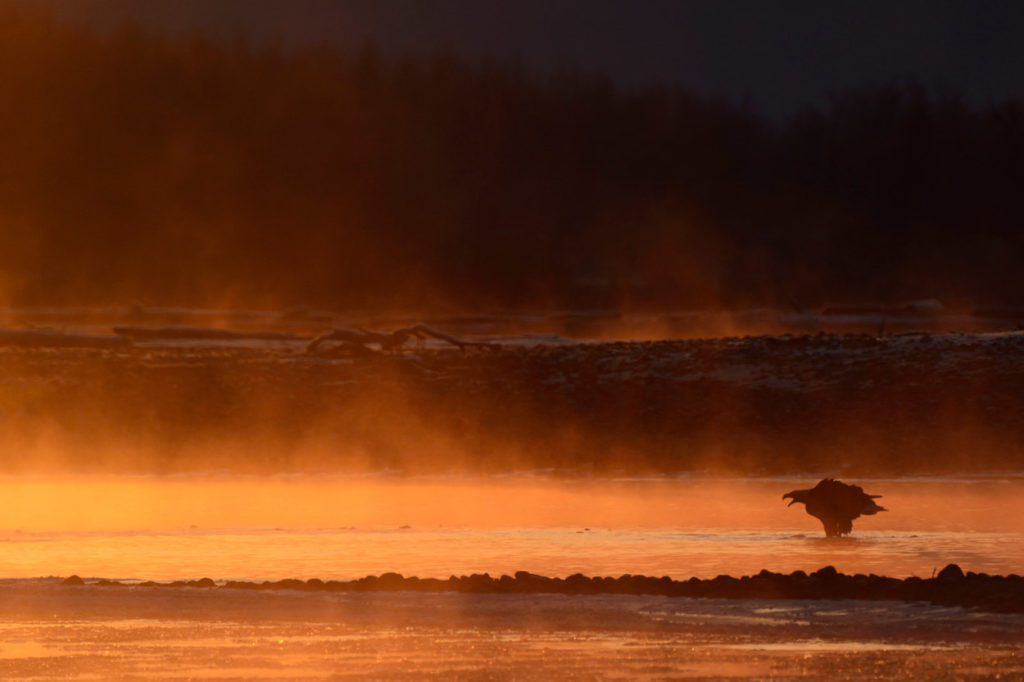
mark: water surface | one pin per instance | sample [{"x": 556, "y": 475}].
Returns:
[
  {"x": 338, "y": 527},
  {"x": 344, "y": 527}
]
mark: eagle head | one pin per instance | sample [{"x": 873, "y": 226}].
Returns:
[{"x": 798, "y": 496}]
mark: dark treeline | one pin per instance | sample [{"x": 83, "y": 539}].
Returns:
[{"x": 197, "y": 171}]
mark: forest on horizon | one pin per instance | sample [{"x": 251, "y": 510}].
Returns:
[{"x": 198, "y": 171}]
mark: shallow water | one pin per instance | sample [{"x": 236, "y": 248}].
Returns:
[
  {"x": 52, "y": 632},
  {"x": 258, "y": 554},
  {"x": 339, "y": 527},
  {"x": 348, "y": 527}
]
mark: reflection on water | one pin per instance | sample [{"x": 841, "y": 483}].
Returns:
[
  {"x": 344, "y": 528},
  {"x": 268, "y": 554},
  {"x": 211, "y": 634}
]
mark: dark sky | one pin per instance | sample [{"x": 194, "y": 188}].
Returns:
[{"x": 781, "y": 52}]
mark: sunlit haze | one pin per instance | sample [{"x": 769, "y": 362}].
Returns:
[{"x": 511, "y": 340}]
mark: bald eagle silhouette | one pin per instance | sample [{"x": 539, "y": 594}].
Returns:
[{"x": 836, "y": 504}]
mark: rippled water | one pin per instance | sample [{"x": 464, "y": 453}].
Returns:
[
  {"x": 257, "y": 554},
  {"x": 52, "y": 632},
  {"x": 339, "y": 527},
  {"x": 345, "y": 527}
]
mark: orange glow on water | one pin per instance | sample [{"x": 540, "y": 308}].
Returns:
[
  {"x": 144, "y": 502},
  {"x": 347, "y": 527}
]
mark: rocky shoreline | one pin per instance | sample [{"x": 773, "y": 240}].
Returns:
[{"x": 950, "y": 587}]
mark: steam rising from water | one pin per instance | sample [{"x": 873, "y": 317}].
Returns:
[
  {"x": 348, "y": 527},
  {"x": 174, "y": 502}
]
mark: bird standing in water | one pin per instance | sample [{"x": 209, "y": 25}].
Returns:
[{"x": 836, "y": 504}]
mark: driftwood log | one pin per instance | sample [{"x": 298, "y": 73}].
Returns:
[{"x": 359, "y": 340}]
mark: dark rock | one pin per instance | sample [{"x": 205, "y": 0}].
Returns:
[
  {"x": 724, "y": 586},
  {"x": 478, "y": 582},
  {"x": 364, "y": 584},
  {"x": 951, "y": 587},
  {"x": 431, "y": 585},
  {"x": 951, "y": 572},
  {"x": 72, "y": 580},
  {"x": 629, "y": 584},
  {"x": 826, "y": 573},
  {"x": 530, "y": 582},
  {"x": 578, "y": 583}
]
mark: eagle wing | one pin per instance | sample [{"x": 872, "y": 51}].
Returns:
[{"x": 842, "y": 501}]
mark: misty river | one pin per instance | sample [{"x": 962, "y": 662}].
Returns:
[
  {"x": 346, "y": 527},
  {"x": 135, "y": 528}
]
